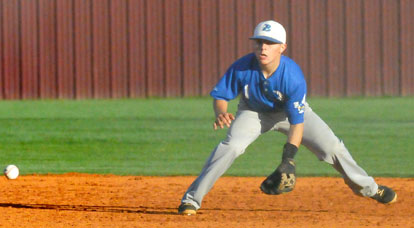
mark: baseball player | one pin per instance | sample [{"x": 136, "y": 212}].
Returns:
[{"x": 273, "y": 97}]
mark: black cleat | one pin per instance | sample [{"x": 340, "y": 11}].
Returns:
[{"x": 385, "y": 195}]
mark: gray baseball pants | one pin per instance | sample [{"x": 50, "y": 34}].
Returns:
[{"x": 249, "y": 125}]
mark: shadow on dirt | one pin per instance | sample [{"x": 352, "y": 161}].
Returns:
[
  {"x": 138, "y": 210},
  {"x": 111, "y": 209}
]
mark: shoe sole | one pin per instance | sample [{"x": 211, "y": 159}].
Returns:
[
  {"x": 188, "y": 212},
  {"x": 393, "y": 200}
]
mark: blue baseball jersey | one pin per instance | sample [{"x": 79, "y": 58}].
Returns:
[{"x": 284, "y": 90}]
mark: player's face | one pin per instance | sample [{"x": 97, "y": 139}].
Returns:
[{"x": 268, "y": 52}]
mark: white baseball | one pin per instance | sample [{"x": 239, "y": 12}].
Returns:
[{"x": 11, "y": 172}]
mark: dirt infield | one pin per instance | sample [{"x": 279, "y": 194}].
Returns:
[{"x": 81, "y": 200}]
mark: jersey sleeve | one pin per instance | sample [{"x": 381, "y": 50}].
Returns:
[
  {"x": 295, "y": 105},
  {"x": 228, "y": 86}
]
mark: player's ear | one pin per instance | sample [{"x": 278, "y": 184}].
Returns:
[{"x": 283, "y": 47}]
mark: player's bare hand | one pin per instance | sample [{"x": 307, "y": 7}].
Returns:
[{"x": 222, "y": 120}]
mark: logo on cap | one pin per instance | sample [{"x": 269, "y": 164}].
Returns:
[{"x": 267, "y": 27}]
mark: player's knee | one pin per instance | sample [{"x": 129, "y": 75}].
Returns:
[
  {"x": 338, "y": 149},
  {"x": 334, "y": 148},
  {"x": 235, "y": 148}
]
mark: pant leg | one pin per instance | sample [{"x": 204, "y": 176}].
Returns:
[
  {"x": 321, "y": 140},
  {"x": 243, "y": 131}
]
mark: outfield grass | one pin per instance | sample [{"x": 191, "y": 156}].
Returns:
[{"x": 175, "y": 136}]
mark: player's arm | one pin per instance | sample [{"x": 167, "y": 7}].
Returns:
[
  {"x": 222, "y": 116},
  {"x": 225, "y": 90},
  {"x": 295, "y": 134}
]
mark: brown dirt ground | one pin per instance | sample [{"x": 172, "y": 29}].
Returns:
[{"x": 83, "y": 200}]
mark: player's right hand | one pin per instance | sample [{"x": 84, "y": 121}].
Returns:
[{"x": 222, "y": 120}]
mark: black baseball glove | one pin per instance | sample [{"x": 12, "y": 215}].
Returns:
[{"x": 283, "y": 179}]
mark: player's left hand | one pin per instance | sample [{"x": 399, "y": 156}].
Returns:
[{"x": 282, "y": 180}]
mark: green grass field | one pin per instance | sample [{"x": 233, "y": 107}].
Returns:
[{"x": 175, "y": 137}]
